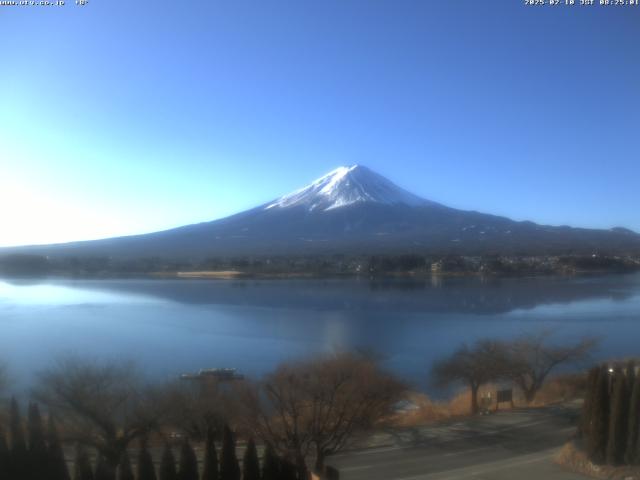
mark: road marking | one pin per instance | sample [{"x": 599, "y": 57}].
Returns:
[
  {"x": 445, "y": 434},
  {"x": 464, "y": 452},
  {"x": 355, "y": 469},
  {"x": 416, "y": 460},
  {"x": 483, "y": 468},
  {"x": 369, "y": 451}
]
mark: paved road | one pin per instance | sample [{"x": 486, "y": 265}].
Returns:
[{"x": 516, "y": 445}]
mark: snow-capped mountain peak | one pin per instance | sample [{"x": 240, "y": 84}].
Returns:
[{"x": 346, "y": 186}]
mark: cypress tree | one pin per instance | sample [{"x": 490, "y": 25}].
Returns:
[
  {"x": 188, "y": 462},
  {"x": 146, "y": 471},
  {"x": 168, "y": 465},
  {"x": 599, "y": 430},
  {"x": 18, "y": 461},
  {"x": 38, "y": 455},
  {"x": 587, "y": 408},
  {"x": 270, "y": 464},
  {"x": 616, "y": 447},
  {"x": 82, "y": 469},
  {"x": 229, "y": 468},
  {"x": 4, "y": 455},
  {"x": 631, "y": 454},
  {"x": 250, "y": 462},
  {"x": 210, "y": 470},
  {"x": 288, "y": 471},
  {"x": 56, "y": 462},
  {"x": 37, "y": 441},
  {"x": 103, "y": 470},
  {"x": 125, "y": 472},
  {"x": 631, "y": 373}
]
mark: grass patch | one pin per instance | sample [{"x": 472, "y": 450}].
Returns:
[
  {"x": 559, "y": 389},
  {"x": 572, "y": 458}
]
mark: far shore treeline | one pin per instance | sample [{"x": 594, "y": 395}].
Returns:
[{"x": 319, "y": 265}]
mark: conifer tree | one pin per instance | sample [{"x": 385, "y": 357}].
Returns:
[
  {"x": 146, "y": 470},
  {"x": 18, "y": 461},
  {"x": 250, "y": 462},
  {"x": 270, "y": 464},
  {"x": 587, "y": 407},
  {"x": 4, "y": 455},
  {"x": 599, "y": 430},
  {"x": 82, "y": 468},
  {"x": 618, "y": 423},
  {"x": 631, "y": 373},
  {"x": 57, "y": 464},
  {"x": 125, "y": 472},
  {"x": 38, "y": 455},
  {"x": 188, "y": 462},
  {"x": 210, "y": 470},
  {"x": 288, "y": 471},
  {"x": 229, "y": 468},
  {"x": 168, "y": 465},
  {"x": 633, "y": 436},
  {"x": 103, "y": 470}
]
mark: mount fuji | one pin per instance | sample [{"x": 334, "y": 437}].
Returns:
[
  {"x": 356, "y": 211},
  {"x": 346, "y": 186}
]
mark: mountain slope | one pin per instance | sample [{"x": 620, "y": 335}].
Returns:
[{"x": 353, "y": 210}]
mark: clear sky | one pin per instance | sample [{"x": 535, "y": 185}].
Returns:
[{"x": 124, "y": 116}]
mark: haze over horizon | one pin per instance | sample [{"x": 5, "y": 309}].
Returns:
[{"x": 147, "y": 116}]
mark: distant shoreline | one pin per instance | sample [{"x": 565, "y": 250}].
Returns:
[
  {"x": 338, "y": 266},
  {"x": 240, "y": 275},
  {"x": 236, "y": 275}
]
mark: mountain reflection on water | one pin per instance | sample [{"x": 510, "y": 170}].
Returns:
[
  {"x": 474, "y": 295},
  {"x": 174, "y": 326}
]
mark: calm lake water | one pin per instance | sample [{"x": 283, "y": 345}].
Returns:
[{"x": 173, "y": 326}]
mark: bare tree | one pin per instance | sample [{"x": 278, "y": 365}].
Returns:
[
  {"x": 532, "y": 357},
  {"x": 315, "y": 408},
  {"x": 474, "y": 366},
  {"x": 104, "y": 406},
  {"x": 197, "y": 407}
]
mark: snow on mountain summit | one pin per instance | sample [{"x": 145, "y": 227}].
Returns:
[{"x": 346, "y": 186}]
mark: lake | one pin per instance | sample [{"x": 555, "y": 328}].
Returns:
[{"x": 170, "y": 327}]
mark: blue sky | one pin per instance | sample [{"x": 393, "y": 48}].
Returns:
[{"x": 124, "y": 117}]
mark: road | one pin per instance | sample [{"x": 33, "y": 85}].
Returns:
[{"x": 513, "y": 445}]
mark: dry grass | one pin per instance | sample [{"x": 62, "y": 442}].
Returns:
[
  {"x": 572, "y": 458},
  {"x": 559, "y": 389},
  {"x": 429, "y": 411},
  {"x": 562, "y": 388}
]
